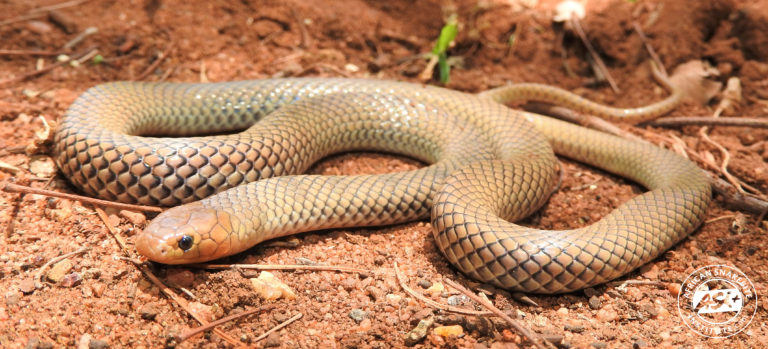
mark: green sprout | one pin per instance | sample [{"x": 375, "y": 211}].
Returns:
[{"x": 447, "y": 34}]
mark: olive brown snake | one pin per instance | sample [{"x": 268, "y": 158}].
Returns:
[{"x": 488, "y": 165}]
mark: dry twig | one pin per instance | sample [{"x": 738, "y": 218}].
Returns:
[
  {"x": 278, "y": 327},
  {"x": 283, "y": 267},
  {"x": 203, "y": 328},
  {"x": 160, "y": 58},
  {"x": 15, "y": 188},
  {"x": 576, "y": 24},
  {"x": 28, "y": 53},
  {"x": 496, "y": 311},
  {"x": 432, "y": 303}
]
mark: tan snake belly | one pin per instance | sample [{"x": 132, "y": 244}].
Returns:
[{"x": 489, "y": 165}]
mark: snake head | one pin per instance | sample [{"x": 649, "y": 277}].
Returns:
[{"x": 187, "y": 234}]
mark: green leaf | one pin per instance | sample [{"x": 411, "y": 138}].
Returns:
[{"x": 447, "y": 34}]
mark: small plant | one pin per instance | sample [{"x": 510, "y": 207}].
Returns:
[{"x": 439, "y": 54}]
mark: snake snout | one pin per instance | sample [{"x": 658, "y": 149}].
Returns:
[{"x": 180, "y": 235}]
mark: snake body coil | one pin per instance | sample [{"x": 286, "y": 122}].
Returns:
[{"x": 489, "y": 165}]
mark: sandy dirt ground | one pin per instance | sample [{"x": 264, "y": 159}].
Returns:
[{"x": 101, "y": 300}]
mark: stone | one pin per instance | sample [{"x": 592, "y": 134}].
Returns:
[
  {"x": 446, "y": 331},
  {"x": 269, "y": 287},
  {"x": 418, "y": 333},
  {"x": 358, "y": 315},
  {"x": 59, "y": 270}
]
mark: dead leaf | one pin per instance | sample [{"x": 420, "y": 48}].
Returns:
[{"x": 693, "y": 80}]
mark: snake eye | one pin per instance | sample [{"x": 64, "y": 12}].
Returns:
[{"x": 185, "y": 243}]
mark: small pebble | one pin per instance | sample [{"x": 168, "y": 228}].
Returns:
[
  {"x": 33, "y": 343},
  {"x": 421, "y": 315},
  {"x": 418, "y": 333},
  {"x": 599, "y": 345},
  {"x": 27, "y": 286},
  {"x": 97, "y": 344},
  {"x": 135, "y": 218},
  {"x": 482, "y": 325},
  {"x": 273, "y": 340},
  {"x": 590, "y": 292},
  {"x": 365, "y": 325},
  {"x": 425, "y": 284},
  {"x": 650, "y": 310},
  {"x": 281, "y": 317},
  {"x": 457, "y": 300},
  {"x": 595, "y": 303},
  {"x": 42, "y": 166},
  {"x": 607, "y": 314},
  {"x": 358, "y": 314},
  {"x": 639, "y": 344},
  {"x": 148, "y": 311},
  {"x": 180, "y": 277},
  {"x": 12, "y": 298},
  {"x": 92, "y": 273},
  {"x": 574, "y": 328},
  {"x": 269, "y": 287},
  {"x": 59, "y": 270},
  {"x": 379, "y": 260},
  {"x": 436, "y": 288},
  {"x": 98, "y": 289},
  {"x": 71, "y": 280},
  {"x": 393, "y": 299},
  {"x": 562, "y": 311},
  {"x": 376, "y": 293},
  {"x": 664, "y": 335},
  {"x": 445, "y": 331}
]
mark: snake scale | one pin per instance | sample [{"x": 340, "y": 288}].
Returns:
[{"x": 488, "y": 165}]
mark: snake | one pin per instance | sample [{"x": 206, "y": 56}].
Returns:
[{"x": 230, "y": 159}]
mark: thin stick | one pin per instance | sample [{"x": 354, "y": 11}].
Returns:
[
  {"x": 41, "y": 11},
  {"x": 576, "y": 23},
  {"x": 211, "y": 325},
  {"x": 28, "y": 53},
  {"x": 160, "y": 58},
  {"x": 283, "y": 267},
  {"x": 649, "y": 48},
  {"x": 21, "y": 18},
  {"x": 719, "y": 218},
  {"x": 15, "y": 188},
  {"x": 433, "y": 303},
  {"x": 496, "y": 311},
  {"x": 278, "y": 327},
  {"x": 32, "y": 74},
  {"x": 710, "y": 121},
  {"x": 59, "y": 6},
  {"x": 39, "y": 273}
]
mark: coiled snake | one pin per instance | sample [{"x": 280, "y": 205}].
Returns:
[{"x": 489, "y": 165}]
